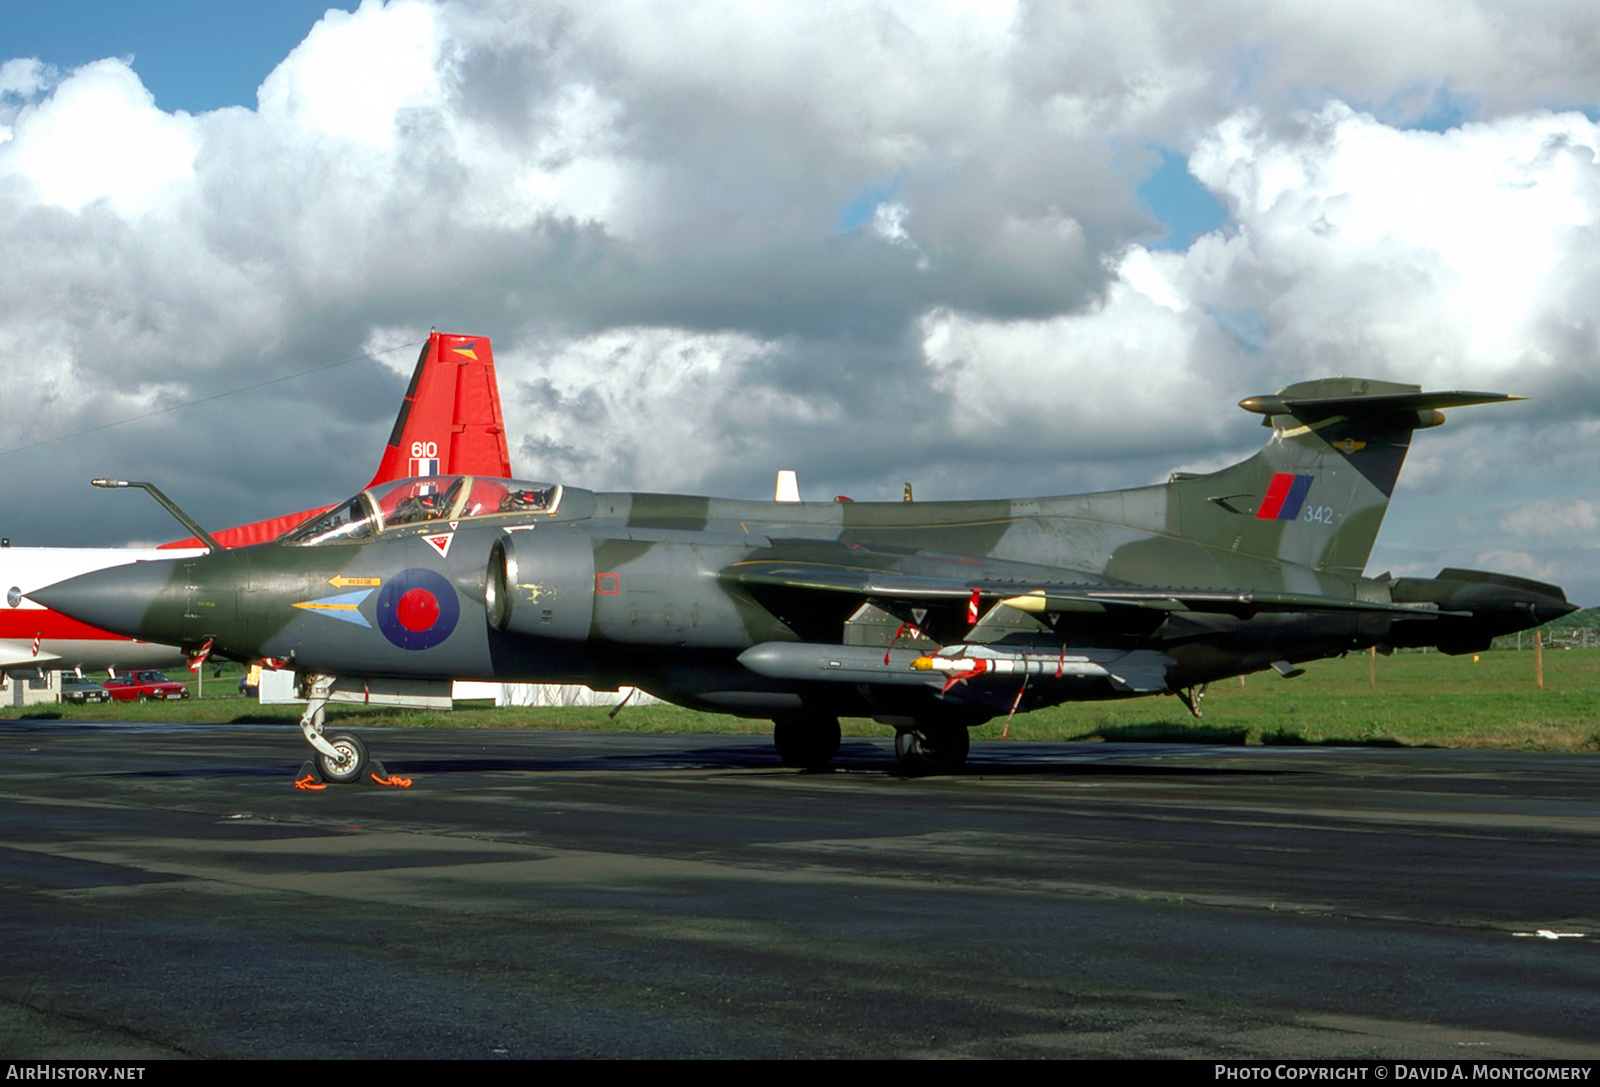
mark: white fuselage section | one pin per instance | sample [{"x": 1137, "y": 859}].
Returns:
[{"x": 35, "y": 636}]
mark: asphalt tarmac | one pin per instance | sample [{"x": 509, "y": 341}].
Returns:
[{"x": 164, "y": 891}]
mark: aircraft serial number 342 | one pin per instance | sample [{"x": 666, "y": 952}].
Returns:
[{"x": 929, "y": 617}]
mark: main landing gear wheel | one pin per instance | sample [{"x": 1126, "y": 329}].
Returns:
[
  {"x": 350, "y": 762},
  {"x": 932, "y": 749},
  {"x": 806, "y": 740}
]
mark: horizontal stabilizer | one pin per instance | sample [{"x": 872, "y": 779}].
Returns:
[{"x": 1289, "y": 402}]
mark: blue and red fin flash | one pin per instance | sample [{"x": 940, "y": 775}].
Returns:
[{"x": 1285, "y": 495}]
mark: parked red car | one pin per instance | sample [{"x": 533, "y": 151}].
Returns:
[{"x": 143, "y": 686}]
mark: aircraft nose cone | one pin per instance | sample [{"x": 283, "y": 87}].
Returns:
[{"x": 121, "y": 599}]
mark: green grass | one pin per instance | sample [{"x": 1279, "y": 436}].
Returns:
[{"x": 1422, "y": 699}]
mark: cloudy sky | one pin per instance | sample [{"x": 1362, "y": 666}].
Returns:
[{"x": 987, "y": 247}]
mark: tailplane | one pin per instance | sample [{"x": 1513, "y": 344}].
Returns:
[{"x": 1316, "y": 493}]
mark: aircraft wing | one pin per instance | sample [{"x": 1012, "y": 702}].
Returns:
[
  {"x": 15, "y": 654},
  {"x": 1038, "y": 594}
]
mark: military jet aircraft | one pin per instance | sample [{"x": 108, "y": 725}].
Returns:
[{"x": 929, "y": 617}]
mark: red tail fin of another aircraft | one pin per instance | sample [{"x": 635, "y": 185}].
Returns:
[{"x": 449, "y": 424}]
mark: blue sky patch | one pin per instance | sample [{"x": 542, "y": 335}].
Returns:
[
  {"x": 193, "y": 55},
  {"x": 1184, "y": 206},
  {"x": 859, "y": 211},
  {"x": 1447, "y": 111}
]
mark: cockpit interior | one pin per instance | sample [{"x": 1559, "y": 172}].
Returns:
[{"x": 417, "y": 501}]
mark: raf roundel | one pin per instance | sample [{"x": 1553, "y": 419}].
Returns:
[{"x": 418, "y": 609}]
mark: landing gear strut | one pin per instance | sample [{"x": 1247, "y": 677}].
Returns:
[
  {"x": 1191, "y": 697},
  {"x": 932, "y": 749},
  {"x": 340, "y": 758},
  {"x": 807, "y": 740}
]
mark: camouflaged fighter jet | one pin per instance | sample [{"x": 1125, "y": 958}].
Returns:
[{"x": 929, "y": 617}]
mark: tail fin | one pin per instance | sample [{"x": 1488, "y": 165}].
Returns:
[
  {"x": 450, "y": 421},
  {"x": 1316, "y": 493},
  {"x": 449, "y": 424}
]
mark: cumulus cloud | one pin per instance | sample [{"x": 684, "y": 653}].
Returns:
[
  {"x": 646, "y": 209},
  {"x": 653, "y": 408},
  {"x": 1520, "y": 563},
  {"x": 1135, "y": 353},
  {"x": 1438, "y": 258},
  {"x": 100, "y": 137},
  {"x": 21, "y": 80},
  {"x": 1452, "y": 253},
  {"x": 1546, "y": 518},
  {"x": 354, "y": 75}
]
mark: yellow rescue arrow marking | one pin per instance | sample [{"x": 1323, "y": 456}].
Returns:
[{"x": 340, "y": 581}]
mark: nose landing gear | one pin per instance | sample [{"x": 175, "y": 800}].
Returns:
[{"x": 339, "y": 759}]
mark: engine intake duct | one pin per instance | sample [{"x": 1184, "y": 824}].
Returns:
[{"x": 541, "y": 583}]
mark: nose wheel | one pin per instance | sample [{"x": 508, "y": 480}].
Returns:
[
  {"x": 349, "y": 760},
  {"x": 339, "y": 759}
]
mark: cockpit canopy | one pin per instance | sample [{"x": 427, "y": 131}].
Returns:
[{"x": 416, "y": 501}]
